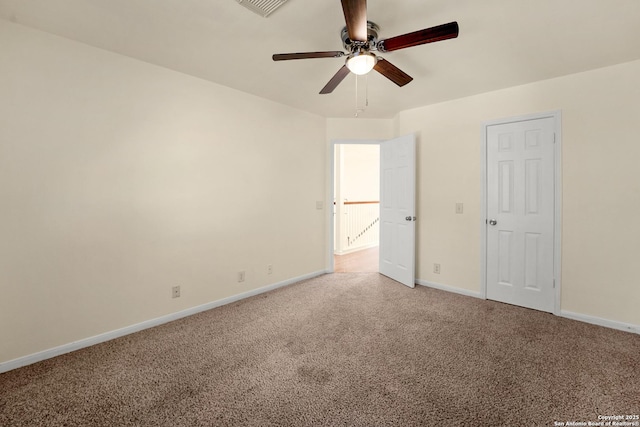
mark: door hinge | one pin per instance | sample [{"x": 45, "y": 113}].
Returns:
[
  {"x": 554, "y": 138},
  {"x": 554, "y": 283}
]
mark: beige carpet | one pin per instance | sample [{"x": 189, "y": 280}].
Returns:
[{"x": 339, "y": 350}]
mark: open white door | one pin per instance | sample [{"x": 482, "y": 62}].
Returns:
[{"x": 397, "y": 209}]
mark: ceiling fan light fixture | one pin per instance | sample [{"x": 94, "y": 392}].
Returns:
[{"x": 361, "y": 62}]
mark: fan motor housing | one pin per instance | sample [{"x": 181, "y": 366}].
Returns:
[{"x": 372, "y": 38}]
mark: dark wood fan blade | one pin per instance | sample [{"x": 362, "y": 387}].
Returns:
[
  {"x": 392, "y": 72},
  {"x": 428, "y": 35},
  {"x": 335, "y": 80},
  {"x": 355, "y": 15},
  {"x": 307, "y": 55}
]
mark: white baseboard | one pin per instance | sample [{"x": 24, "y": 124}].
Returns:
[
  {"x": 612, "y": 324},
  {"x": 448, "y": 288},
  {"x": 627, "y": 327},
  {"x": 107, "y": 336}
]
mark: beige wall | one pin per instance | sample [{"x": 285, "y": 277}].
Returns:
[
  {"x": 360, "y": 175},
  {"x": 119, "y": 180},
  {"x": 360, "y": 129},
  {"x": 601, "y": 185}
]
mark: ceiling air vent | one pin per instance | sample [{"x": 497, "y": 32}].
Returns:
[{"x": 263, "y": 8}]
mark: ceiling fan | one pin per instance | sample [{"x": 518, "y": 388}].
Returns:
[{"x": 360, "y": 39}]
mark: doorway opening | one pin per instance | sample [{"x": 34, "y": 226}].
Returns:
[
  {"x": 356, "y": 207},
  {"x": 396, "y": 207}
]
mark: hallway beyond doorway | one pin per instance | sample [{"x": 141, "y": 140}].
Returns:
[{"x": 363, "y": 261}]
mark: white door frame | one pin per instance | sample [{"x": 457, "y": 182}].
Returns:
[
  {"x": 334, "y": 142},
  {"x": 557, "y": 243}
]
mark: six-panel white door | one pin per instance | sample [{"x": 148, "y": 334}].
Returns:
[
  {"x": 397, "y": 209},
  {"x": 520, "y": 210}
]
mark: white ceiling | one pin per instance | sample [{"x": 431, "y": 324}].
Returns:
[{"x": 502, "y": 43}]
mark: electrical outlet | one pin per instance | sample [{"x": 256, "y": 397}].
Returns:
[
  {"x": 240, "y": 276},
  {"x": 269, "y": 269},
  {"x": 175, "y": 292},
  {"x": 436, "y": 268},
  {"x": 459, "y": 208}
]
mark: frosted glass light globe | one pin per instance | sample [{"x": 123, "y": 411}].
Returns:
[{"x": 361, "y": 62}]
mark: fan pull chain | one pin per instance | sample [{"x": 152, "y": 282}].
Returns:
[
  {"x": 366, "y": 93},
  {"x": 357, "y": 109}
]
